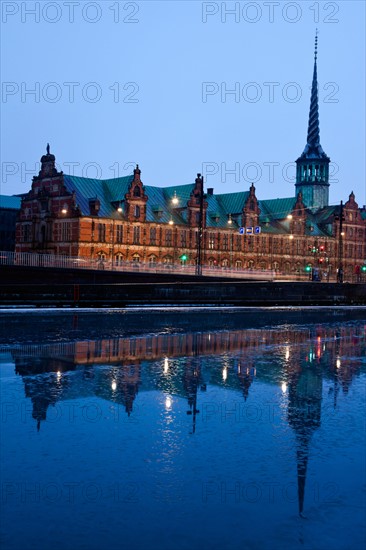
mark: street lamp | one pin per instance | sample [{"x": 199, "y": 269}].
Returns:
[
  {"x": 230, "y": 222},
  {"x": 175, "y": 199},
  {"x": 200, "y": 230},
  {"x": 340, "y": 245}
]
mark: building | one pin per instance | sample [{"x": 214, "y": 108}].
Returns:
[
  {"x": 122, "y": 220},
  {"x": 9, "y": 208}
]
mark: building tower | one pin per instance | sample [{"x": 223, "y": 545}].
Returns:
[{"x": 312, "y": 167}]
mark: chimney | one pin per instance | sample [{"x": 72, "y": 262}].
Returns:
[{"x": 210, "y": 191}]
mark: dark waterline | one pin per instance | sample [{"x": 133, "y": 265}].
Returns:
[{"x": 183, "y": 429}]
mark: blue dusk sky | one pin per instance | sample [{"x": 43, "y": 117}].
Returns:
[{"x": 180, "y": 87}]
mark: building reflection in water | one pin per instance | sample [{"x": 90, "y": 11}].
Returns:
[{"x": 176, "y": 364}]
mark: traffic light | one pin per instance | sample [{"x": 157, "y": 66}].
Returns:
[
  {"x": 322, "y": 249},
  {"x": 321, "y": 260},
  {"x": 184, "y": 257},
  {"x": 363, "y": 269},
  {"x": 308, "y": 268}
]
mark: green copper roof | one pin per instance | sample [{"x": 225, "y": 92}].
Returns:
[
  {"x": 221, "y": 207},
  {"x": 106, "y": 191},
  {"x": 276, "y": 209}
]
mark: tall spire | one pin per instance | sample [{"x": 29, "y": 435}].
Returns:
[
  {"x": 313, "y": 127},
  {"x": 312, "y": 172}
]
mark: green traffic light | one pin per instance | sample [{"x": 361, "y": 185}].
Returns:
[
  {"x": 363, "y": 268},
  {"x": 308, "y": 268},
  {"x": 183, "y": 257}
]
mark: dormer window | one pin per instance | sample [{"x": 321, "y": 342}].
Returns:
[{"x": 94, "y": 206}]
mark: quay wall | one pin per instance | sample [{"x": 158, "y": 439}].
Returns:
[{"x": 62, "y": 290}]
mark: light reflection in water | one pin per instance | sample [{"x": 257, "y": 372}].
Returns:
[{"x": 201, "y": 380}]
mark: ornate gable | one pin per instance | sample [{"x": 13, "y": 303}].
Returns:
[{"x": 136, "y": 199}]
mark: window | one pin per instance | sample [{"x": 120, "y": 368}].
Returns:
[
  {"x": 137, "y": 191},
  {"x": 152, "y": 260},
  {"x": 101, "y": 232},
  {"x": 225, "y": 242},
  {"x": 136, "y": 258},
  {"x": 119, "y": 234},
  {"x": 168, "y": 260},
  {"x": 168, "y": 237},
  {"x": 119, "y": 259},
  {"x": 153, "y": 236},
  {"x": 211, "y": 241},
  {"x": 183, "y": 239},
  {"x": 26, "y": 233},
  {"x": 196, "y": 238},
  {"x": 65, "y": 232},
  {"x": 238, "y": 264},
  {"x": 136, "y": 235},
  {"x": 275, "y": 246},
  {"x": 225, "y": 262},
  {"x": 250, "y": 244},
  {"x": 238, "y": 242},
  {"x": 263, "y": 244},
  {"x": 137, "y": 211}
]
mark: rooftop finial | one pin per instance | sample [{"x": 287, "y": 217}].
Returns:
[
  {"x": 48, "y": 148},
  {"x": 316, "y": 46}
]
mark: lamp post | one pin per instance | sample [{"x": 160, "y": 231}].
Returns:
[
  {"x": 340, "y": 245},
  {"x": 200, "y": 232}
]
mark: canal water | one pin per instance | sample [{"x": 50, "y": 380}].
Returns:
[{"x": 183, "y": 429}]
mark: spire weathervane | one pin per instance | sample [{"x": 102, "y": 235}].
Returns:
[
  {"x": 313, "y": 138},
  {"x": 316, "y": 46}
]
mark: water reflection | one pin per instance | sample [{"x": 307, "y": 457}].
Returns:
[{"x": 298, "y": 360}]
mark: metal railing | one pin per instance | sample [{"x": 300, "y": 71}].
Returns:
[{"x": 70, "y": 262}]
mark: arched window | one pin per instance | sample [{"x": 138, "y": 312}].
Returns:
[
  {"x": 137, "y": 191},
  {"x": 152, "y": 260},
  {"x": 136, "y": 258},
  {"x": 137, "y": 211},
  {"x": 225, "y": 262},
  {"x": 250, "y": 264},
  {"x": 168, "y": 260},
  {"x": 238, "y": 264}
]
